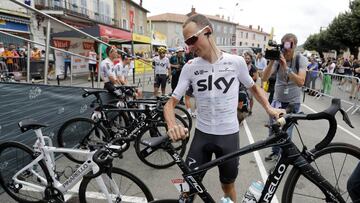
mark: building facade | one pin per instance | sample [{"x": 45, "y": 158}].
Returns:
[
  {"x": 247, "y": 36},
  {"x": 170, "y": 24}
]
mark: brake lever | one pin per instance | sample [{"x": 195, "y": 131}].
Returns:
[{"x": 346, "y": 118}]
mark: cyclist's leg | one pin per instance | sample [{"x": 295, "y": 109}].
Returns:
[
  {"x": 229, "y": 170},
  {"x": 353, "y": 184},
  {"x": 156, "y": 85},
  {"x": 163, "y": 84}
]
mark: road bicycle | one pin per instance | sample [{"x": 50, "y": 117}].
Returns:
[
  {"x": 108, "y": 123},
  {"x": 31, "y": 174},
  {"x": 306, "y": 177}
]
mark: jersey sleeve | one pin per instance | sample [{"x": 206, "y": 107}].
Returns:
[
  {"x": 243, "y": 73},
  {"x": 184, "y": 82}
]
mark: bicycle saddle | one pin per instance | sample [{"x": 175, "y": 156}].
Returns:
[{"x": 29, "y": 124}]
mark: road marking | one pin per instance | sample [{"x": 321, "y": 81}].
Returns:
[
  {"x": 339, "y": 126},
  {"x": 260, "y": 164}
]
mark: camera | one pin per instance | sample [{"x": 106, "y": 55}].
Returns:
[{"x": 274, "y": 53}]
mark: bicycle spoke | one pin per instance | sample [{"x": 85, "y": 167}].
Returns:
[
  {"x": 338, "y": 178},
  {"x": 295, "y": 193}
]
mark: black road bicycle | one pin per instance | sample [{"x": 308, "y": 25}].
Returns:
[
  {"x": 306, "y": 181},
  {"x": 108, "y": 123}
]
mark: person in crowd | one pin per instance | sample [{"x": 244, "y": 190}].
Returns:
[
  {"x": 103, "y": 47},
  {"x": 189, "y": 93},
  {"x": 311, "y": 76},
  {"x": 260, "y": 64},
  {"x": 290, "y": 77},
  {"x": 67, "y": 62},
  {"x": 9, "y": 55},
  {"x": 177, "y": 61},
  {"x": 92, "y": 63},
  {"x": 215, "y": 77},
  {"x": 161, "y": 64},
  {"x": 2, "y": 49},
  {"x": 327, "y": 79},
  {"x": 347, "y": 68},
  {"x": 36, "y": 53},
  {"x": 254, "y": 75},
  {"x": 355, "y": 86}
]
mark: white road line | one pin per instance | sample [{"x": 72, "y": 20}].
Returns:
[
  {"x": 339, "y": 126},
  {"x": 260, "y": 164}
]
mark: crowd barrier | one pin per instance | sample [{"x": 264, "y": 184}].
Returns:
[{"x": 345, "y": 87}]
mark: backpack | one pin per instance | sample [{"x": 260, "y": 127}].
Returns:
[{"x": 244, "y": 97}]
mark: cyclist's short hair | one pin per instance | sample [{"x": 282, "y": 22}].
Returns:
[{"x": 200, "y": 20}]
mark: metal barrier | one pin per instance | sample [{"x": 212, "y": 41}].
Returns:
[{"x": 345, "y": 87}]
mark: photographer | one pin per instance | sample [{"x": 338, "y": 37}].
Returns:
[{"x": 290, "y": 69}]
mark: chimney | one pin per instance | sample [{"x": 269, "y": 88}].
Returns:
[
  {"x": 261, "y": 29},
  {"x": 258, "y": 27},
  {"x": 193, "y": 10},
  {"x": 217, "y": 15},
  {"x": 250, "y": 26}
]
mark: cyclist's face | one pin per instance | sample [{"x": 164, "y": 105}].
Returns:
[{"x": 200, "y": 46}]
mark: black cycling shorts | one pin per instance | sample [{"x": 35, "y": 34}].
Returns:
[
  {"x": 160, "y": 80},
  {"x": 204, "y": 145}
]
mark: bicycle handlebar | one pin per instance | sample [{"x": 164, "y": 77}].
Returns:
[{"x": 329, "y": 114}]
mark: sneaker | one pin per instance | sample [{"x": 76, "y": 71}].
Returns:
[{"x": 272, "y": 157}]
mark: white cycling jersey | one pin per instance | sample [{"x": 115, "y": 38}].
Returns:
[
  {"x": 161, "y": 65},
  {"x": 216, "y": 91},
  {"x": 107, "y": 69}
]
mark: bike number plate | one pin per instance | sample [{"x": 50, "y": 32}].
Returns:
[{"x": 181, "y": 185}]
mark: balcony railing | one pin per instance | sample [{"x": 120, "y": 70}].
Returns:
[{"x": 73, "y": 9}]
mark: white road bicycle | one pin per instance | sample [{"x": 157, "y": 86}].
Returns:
[{"x": 30, "y": 175}]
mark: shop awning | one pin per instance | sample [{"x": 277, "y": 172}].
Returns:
[
  {"x": 141, "y": 39},
  {"x": 98, "y": 31}
]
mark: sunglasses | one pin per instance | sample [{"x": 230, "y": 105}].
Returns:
[{"x": 193, "y": 39}]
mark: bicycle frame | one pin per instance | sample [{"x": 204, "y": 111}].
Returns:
[
  {"x": 46, "y": 153},
  {"x": 290, "y": 154}
]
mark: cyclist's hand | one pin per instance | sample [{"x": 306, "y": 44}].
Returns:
[
  {"x": 276, "y": 113},
  {"x": 178, "y": 132}
]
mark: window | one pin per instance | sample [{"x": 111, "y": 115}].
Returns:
[
  {"x": 123, "y": 8},
  {"x": 254, "y": 36},
  {"x": 218, "y": 28},
  {"x": 83, "y": 7},
  {"x": 247, "y": 35},
  {"x": 217, "y": 40},
  {"x": 258, "y": 45},
  {"x": 264, "y": 38},
  {"x": 225, "y": 29},
  {"x": 231, "y": 30},
  {"x": 246, "y": 43},
  {"x": 107, "y": 14},
  {"x": 242, "y": 35},
  {"x": 252, "y": 44},
  {"x": 125, "y": 24},
  {"x": 141, "y": 29},
  {"x": 240, "y": 43}
]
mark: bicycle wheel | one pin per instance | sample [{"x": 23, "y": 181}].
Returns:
[
  {"x": 158, "y": 157},
  {"x": 79, "y": 133},
  {"x": 14, "y": 156},
  {"x": 335, "y": 163},
  {"x": 131, "y": 188},
  {"x": 166, "y": 201},
  {"x": 181, "y": 111}
]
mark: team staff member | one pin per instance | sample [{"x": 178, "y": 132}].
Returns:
[
  {"x": 215, "y": 77},
  {"x": 161, "y": 65}
]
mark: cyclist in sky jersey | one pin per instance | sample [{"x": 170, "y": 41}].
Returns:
[{"x": 215, "y": 77}]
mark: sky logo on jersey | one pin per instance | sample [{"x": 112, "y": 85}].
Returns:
[{"x": 207, "y": 84}]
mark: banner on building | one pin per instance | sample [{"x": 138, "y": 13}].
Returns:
[
  {"x": 61, "y": 44},
  {"x": 88, "y": 45}
]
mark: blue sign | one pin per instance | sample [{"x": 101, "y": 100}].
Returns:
[{"x": 14, "y": 26}]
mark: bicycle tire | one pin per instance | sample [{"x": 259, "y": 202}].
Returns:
[
  {"x": 185, "y": 115},
  {"x": 77, "y": 133},
  {"x": 166, "y": 201},
  {"x": 86, "y": 192},
  {"x": 144, "y": 152},
  {"x": 336, "y": 151},
  {"x": 13, "y": 157}
]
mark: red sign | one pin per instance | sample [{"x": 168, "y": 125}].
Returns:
[
  {"x": 61, "y": 43},
  {"x": 114, "y": 33},
  {"x": 88, "y": 45},
  {"x": 131, "y": 15}
]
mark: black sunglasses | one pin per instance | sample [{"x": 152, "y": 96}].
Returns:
[{"x": 193, "y": 39}]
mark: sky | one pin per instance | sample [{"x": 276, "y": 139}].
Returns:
[{"x": 301, "y": 17}]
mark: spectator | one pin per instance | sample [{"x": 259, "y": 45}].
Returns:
[
  {"x": 9, "y": 54},
  {"x": 2, "y": 49},
  {"x": 36, "y": 53},
  {"x": 92, "y": 62},
  {"x": 327, "y": 79},
  {"x": 311, "y": 75},
  {"x": 253, "y": 74},
  {"x": 260, "y": 64},
  {"x": 176, "y": 62},
  {"x": 67, "y": 62},
  {"x": 355, "y": 87},
  {"x": 161, "y": 65},
  {"x": 103, "y": 47}
]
